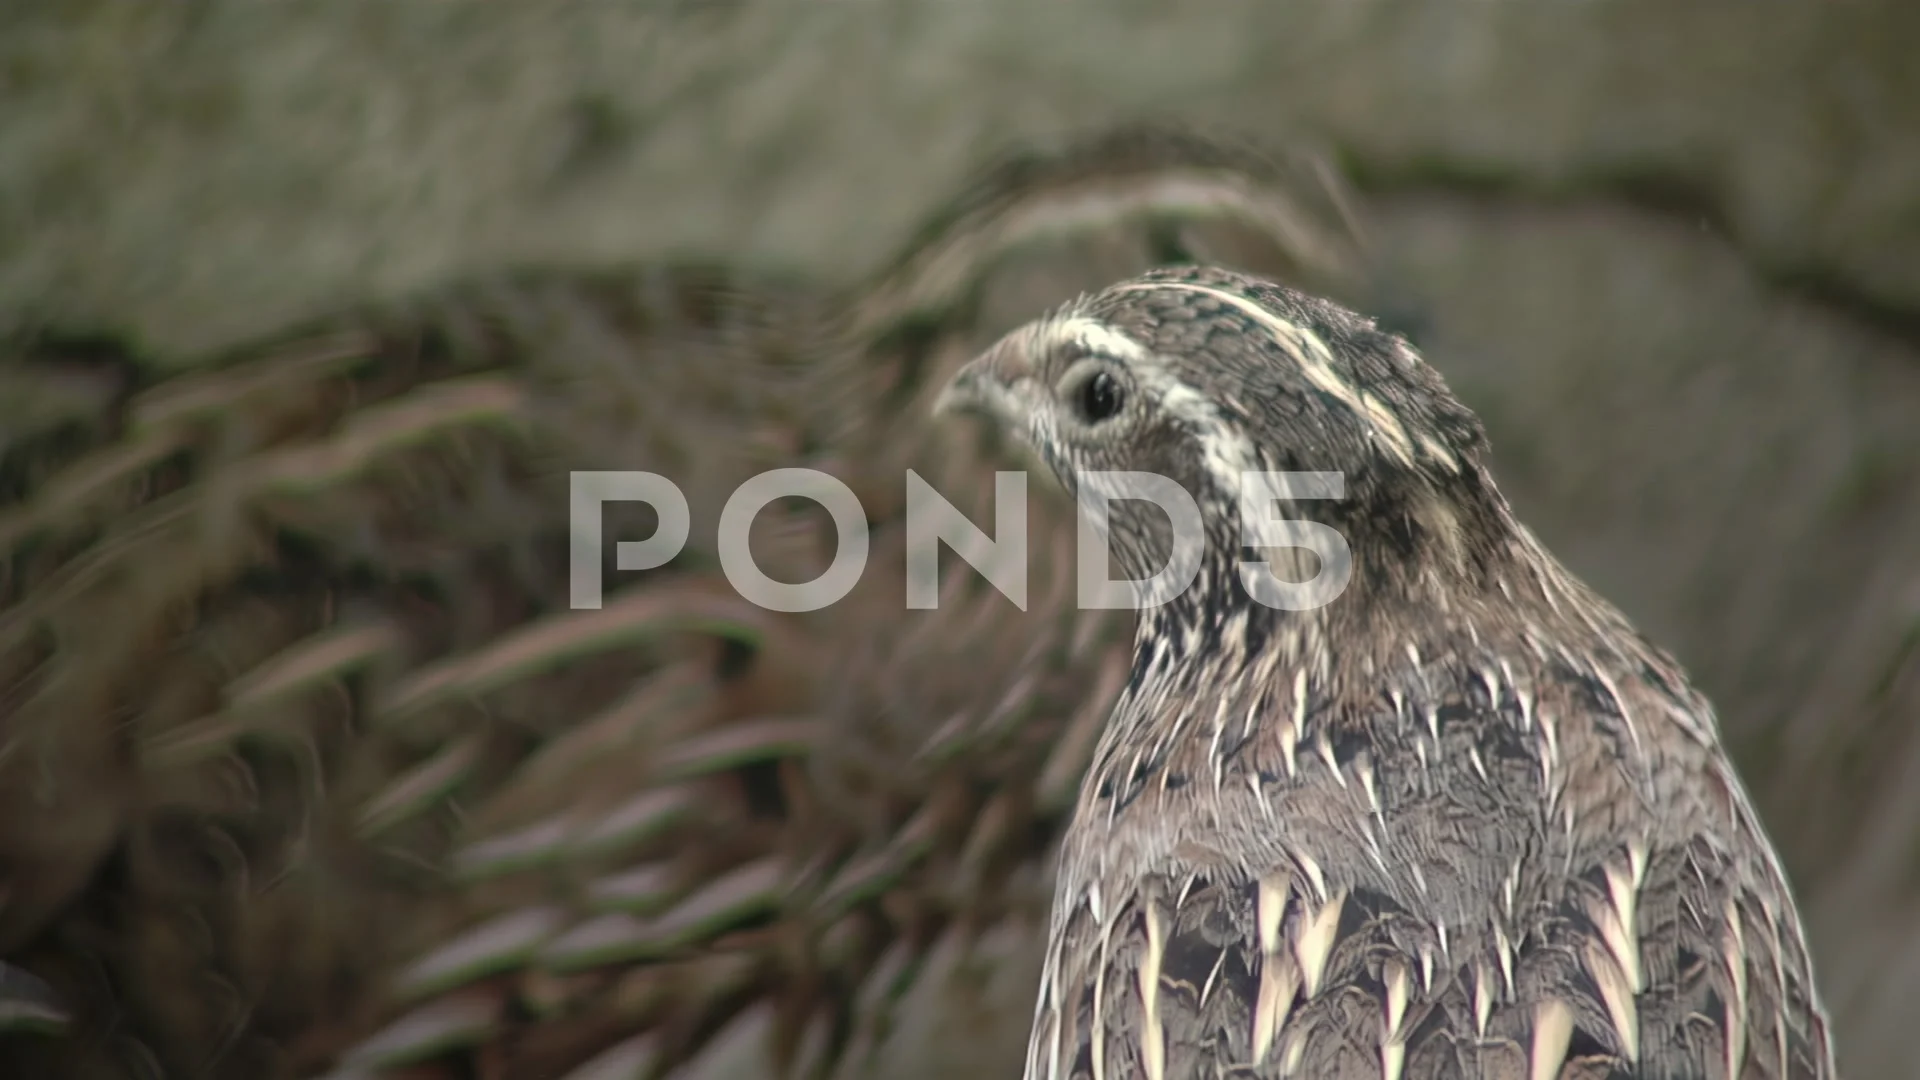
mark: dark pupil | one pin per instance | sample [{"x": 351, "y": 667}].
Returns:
[{"x": 1100, "y": 397}]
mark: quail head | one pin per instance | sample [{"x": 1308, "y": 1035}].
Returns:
[{"x": 1396, "y": 798}]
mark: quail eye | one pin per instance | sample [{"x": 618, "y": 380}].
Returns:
[{"x": 1100, "y": 397}]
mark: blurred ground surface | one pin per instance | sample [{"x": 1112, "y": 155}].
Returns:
[{"x": 1665, "y": 249}]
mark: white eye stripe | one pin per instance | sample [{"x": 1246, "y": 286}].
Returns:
[
  {"x": 1104, "y": 348},
  {"x": 1096, "y": 337},
  {"x": 1316, "y": 363},
  {"x": 1225, "y": 450}
]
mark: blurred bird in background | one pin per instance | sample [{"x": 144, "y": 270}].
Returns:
[{"x": 307, "y": 768}]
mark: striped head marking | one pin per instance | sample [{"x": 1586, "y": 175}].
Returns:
[
  {"x": 1202, "y": 375},
  {"x": 1198, "y": 366}
]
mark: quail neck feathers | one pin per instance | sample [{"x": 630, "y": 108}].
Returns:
[{"x": 1461, "y": 820}]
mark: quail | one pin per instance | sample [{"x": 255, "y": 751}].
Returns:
[
  {"x": 307, "y": 767},
  {"x": 1449, "y": 815}
]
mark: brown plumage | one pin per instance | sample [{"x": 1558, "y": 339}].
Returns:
[
  {"x": 1453, "y": 819},
  {"x": 306, "y": 767}
]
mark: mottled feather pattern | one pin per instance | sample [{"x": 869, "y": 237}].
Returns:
[
  {"x": 1461, "y": 821},
  {"x": 1376, "y": 895},
  {"x": 268, "y": 609},
  {"x": 309, "y": 770}
]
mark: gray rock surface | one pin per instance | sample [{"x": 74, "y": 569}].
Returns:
[
  {"x": 153, "y": 155},
  {"x": 1666, "y": 249}
]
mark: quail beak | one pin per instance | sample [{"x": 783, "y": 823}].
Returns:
[{"x": 996, "y": 383}]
